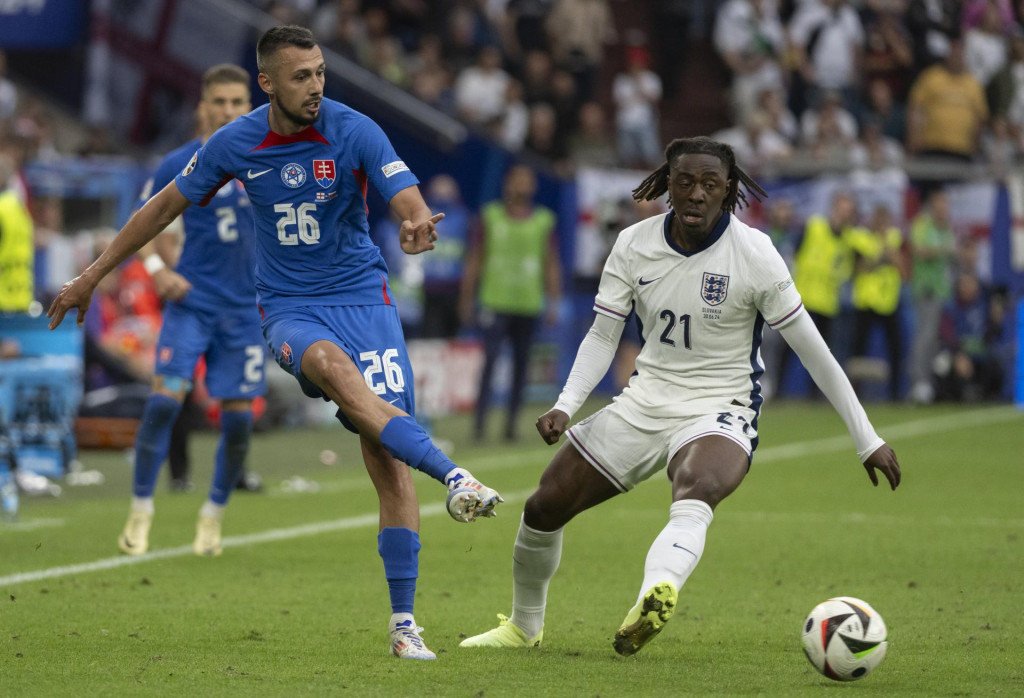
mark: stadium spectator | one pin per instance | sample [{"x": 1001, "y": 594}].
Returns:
[
  {"x": 542, "y": 136},
  {"x": 755, "y": 143},
  {"x": 946, "y": 109},
  {"x": 513, "y": 276},
  {"x": 877, "y": 153},
  {"x": 888, "y": 47},
  {"x": 536, "y": 69},
  {"x": 514, "y": 124},
  {"x": 313, "y": 305},
  {"x": 386, "y": 59},
  {"x": 445, "y": 266},
  {"x": 480, "y": 90},
  {"x": 578, "y": 31},
  {"x": 750, "y": 39},
  {"x": 1000, "y": 149},
  {"x": 828, "y": 123},
  {"x": 933, "y": 249},
  {"x": 17, "y": 250},
  {"x": 969, "y": 367},
  {"x": 689, "y": 407},
  {"x": 637, "y": 92},
  {"x": 933, "y": 26},
  {"x": 974, "y": 12},
  {"x": 828, "y": 40},
  {"x": 780, "y": 119},
  {"x": 8, "y": 93},
  {"x": 876, "y": 296},
  {"x": 986, "y": 46},
  {"x": 524, "y": 26},
  {"x": 883, "y": 108},
  {"x": 591, "y": 144},
  {"x": 823, "y": 264}
]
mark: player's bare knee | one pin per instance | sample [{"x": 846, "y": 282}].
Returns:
[
  {"x": 236, "y": 405},
  {"x": 171, "y": 387}
]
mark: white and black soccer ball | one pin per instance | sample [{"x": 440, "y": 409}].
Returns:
[{"x": 844, "y": 638}]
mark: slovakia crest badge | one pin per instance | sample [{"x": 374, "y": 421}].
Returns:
[
  {"x": 715, "y": 288},
  {"x": 323, "y": 172}
]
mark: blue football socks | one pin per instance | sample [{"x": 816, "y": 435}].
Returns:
[
  {"x": 399, "y": 548},
  {"x": 152, "y": 441},
  {"x": 235, "y": 430},
  {"x": 405, "y": 440}
]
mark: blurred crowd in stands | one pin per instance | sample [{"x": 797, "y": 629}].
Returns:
[{"x": 838, "y": 84}]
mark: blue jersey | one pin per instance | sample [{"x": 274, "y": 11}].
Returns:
[
  {"x": 217, "y": 257},
  {"x": 308, "y": 193}
]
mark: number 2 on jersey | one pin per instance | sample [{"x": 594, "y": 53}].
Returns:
[
  {"x": 307, "y": 227},
  {"x": 670, "y": 325}
]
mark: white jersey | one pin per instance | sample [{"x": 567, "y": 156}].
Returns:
[{"x": 701, "y": 314}]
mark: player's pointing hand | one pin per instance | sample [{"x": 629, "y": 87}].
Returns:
[
  {"x": 76, "y": 293},
  {"x": 419, "y": 237},
  {"x": 883, "y": 459}
]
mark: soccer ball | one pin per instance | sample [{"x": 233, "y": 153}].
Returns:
[{"x": 844, "y": 638}]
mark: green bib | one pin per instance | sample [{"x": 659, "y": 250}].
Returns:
[{"x": 512, "y": 279}]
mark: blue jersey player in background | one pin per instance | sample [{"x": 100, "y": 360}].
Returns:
[
  {"x": 328, "y": 316},
  {"x": 210, "y": 311}
]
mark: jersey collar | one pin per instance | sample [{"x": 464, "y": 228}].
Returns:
[
  {"x": 307, "y": 134},
  {"x": 716, "y": 233}
]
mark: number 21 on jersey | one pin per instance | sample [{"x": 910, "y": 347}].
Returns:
[{"x": 297, "y": 223}]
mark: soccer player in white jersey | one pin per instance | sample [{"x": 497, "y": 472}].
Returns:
[{"x": 703, "y": 285}]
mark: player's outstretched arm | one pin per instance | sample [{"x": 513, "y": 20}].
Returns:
[
  {"x": 145, "y": 225},
  {"x": 592, "y": 361},
  {"x": 806, "y": 341},
  {"x": 418, "y": 231}
]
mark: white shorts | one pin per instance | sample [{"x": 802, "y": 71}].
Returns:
[{"x": 627, "y": 447}]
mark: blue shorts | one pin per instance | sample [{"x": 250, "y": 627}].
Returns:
[
  {"x": 230, "y": 340},
  {"x": 370, "y": 334}
]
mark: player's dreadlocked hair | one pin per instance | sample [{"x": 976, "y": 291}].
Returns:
[{"x": 656, "y": 183}]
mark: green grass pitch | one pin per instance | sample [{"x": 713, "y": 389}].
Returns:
[{"x": 298, "y": 605}]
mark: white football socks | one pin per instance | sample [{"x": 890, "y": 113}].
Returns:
[
  {"x": 535, "y": 559},
  {"x": 677, "y": 549},
  {"x": 142, "y": 504},
  {"x": 211, "y": 508}
]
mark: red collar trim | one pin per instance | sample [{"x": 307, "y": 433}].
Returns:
[{"x": 307, "y": 134}]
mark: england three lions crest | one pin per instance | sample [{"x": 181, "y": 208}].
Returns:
[{"x": 715, "y": 288}]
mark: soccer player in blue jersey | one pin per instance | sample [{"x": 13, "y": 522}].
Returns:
[
  {"x": 305, "y": 162},
  {"x": 210, "y": 311}
]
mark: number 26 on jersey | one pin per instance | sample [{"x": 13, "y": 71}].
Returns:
[{"x": 297, "y": 223}]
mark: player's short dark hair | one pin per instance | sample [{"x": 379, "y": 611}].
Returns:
[
  {"x": 277, "y": 38},
  {"x": 656, "y": 183},
  {"x": 225, "y": 74}
]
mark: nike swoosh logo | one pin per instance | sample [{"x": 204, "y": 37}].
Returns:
[
  {"x": 391, "y": 402},
  {"x": 642, "y": 282},
  {"x": 253, "y": 175},
  {"x": 676, "y": 545}
]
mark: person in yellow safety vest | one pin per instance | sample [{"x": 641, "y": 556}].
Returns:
[
  {"x": 876, "y": 289},
  {"x": 17, "y": 254},
  {"x": 823, "y": 264}
]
